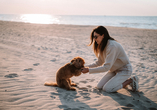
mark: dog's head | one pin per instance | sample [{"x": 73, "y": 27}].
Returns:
[{"x": 78, "y": 62}]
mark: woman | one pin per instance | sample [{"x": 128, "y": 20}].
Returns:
[{"x": 112, "y": 58}]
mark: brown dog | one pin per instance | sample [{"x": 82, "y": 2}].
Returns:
[{"x": 64, "y": 74}]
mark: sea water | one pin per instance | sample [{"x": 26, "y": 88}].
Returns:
[{"x": 144, "y": 22}]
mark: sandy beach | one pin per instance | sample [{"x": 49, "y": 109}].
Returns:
[{"x": 30, "y": 55}]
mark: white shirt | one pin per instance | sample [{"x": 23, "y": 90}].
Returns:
[{"x": 113, "y": 58}]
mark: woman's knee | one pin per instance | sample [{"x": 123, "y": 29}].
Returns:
[
  {"x": 108, "y": 89},
  {"x": 99, "y": 86}
]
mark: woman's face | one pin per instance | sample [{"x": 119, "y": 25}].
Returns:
[{"x": 98, "y": 38}]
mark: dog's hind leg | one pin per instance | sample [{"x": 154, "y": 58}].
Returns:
[{"x": 67, "y": 85}]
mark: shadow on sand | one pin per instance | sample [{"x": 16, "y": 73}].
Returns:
[
  {"x": 69, "y": 100},
  {"x": 128, "y": 100}
]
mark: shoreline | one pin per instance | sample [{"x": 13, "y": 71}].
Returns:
[{"x": 76, "y": 25}]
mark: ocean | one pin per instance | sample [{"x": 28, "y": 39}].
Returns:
[{"x": 143, "y": 22}]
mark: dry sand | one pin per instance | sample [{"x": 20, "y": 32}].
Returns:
[{"x": 30, "y": 54}]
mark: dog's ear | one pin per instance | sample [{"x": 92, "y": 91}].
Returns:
[{"x": 73, "y": 61}]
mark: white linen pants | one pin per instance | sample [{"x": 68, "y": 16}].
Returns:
[{"x": 112, "y": 81}]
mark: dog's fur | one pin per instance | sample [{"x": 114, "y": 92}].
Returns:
[{"x": 64, "y": 74}]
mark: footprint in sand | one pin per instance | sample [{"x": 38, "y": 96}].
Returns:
[
  {"x": 90, "y": 80},
  {"x": 54, "y": 93},
  {"x": 53, "y": 60},
  {"x": 53, "y": 97},
  {"x": 83, "y": 82},
  {"x": 64, "y": 107},
  {"x": 130, "y": 105},
  {"x": 68, "y": 51},
  {"x": 11, "y": 75},
  {"x": 89, "y": 86},
  {"x": 29, "y": 69},
  {"x": 85, "y": 95},
  {"x": 36, "y": 64}
]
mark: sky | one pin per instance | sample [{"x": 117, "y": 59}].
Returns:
[{"x": 80, "y": 7}]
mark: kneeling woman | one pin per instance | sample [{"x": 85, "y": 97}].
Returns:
[{"x": 112, "y": 58}]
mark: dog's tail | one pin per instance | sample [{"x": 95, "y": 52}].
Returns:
[{"x": 51, "y": 84}]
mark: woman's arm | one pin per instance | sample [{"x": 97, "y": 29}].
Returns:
[
  {"x": 111, "y": 56},
  {"x": 99, "y": 62}
]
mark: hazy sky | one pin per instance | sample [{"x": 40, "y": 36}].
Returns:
[{"x": 80, "y": 7}]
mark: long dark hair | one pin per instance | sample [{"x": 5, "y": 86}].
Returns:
[{"x": 101, "y": 30}]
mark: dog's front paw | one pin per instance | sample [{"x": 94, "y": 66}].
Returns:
[
  {"x": 73, "y": 84},
  {"x": 73, "y": 89}
]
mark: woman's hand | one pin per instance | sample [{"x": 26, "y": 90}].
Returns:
[{"x": 85, "y": 70}]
